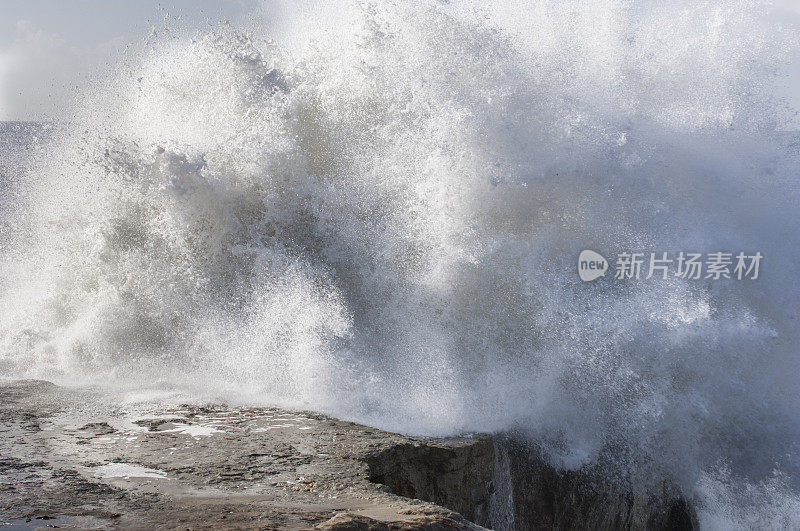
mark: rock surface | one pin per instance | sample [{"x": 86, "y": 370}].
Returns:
[
  {"x": 455, "y": 474},
  {"x": 82, "y": 458},
  {"x": 547, "y": 498},
  {"x": 74, "y": 458}
]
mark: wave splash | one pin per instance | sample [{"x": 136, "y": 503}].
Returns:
[{"x": 377, "y": 215}]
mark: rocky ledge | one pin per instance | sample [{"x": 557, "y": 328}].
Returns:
[{"x": 77, "y": 458}]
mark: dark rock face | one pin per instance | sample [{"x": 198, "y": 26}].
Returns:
[
  {"x": 519, "y": 489},
  {"x": 547, "y": 498},
  {"x": 457, "y": 476}
]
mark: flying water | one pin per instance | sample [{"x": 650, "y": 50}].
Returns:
[{"x": 375, "y": 210}]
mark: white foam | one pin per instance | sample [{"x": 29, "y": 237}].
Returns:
[
  {"x": 195, "y": 430},
  {"x": 127, "y": 471}
]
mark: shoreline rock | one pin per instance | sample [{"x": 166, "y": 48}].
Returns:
[
  {"x": 79, "y": 458},
  {"x": 545, "y": 497},
  {"x": 457, "y": 474},
  {"x": 503, "y": 482}
]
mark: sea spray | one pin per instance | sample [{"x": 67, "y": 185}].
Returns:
[
  {"x": 501, "y": 505},
  {"x": 378, "y": 216}
]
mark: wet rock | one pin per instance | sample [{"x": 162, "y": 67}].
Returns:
[
  {"x": 546, "y": 497},
  {"x": 469, "y": 477},
  {"x": 354, "y": 522},
  {"x": 156, "y": 424},
  {"x": 457, "y": 475},
  {"x": 177, "y": 466},
  {"x": 188, "y": 467},
  {"x": 98, "y": 428}
]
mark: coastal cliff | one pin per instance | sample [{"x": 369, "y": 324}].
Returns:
[
  {"x": 75, "y": 458},
  {"x": 503, "y": 482}
]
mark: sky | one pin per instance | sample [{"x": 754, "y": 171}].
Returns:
[{"x": 48, "y": 48}]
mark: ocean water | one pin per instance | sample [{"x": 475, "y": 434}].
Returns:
[{"x": 375, "y": 210}]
